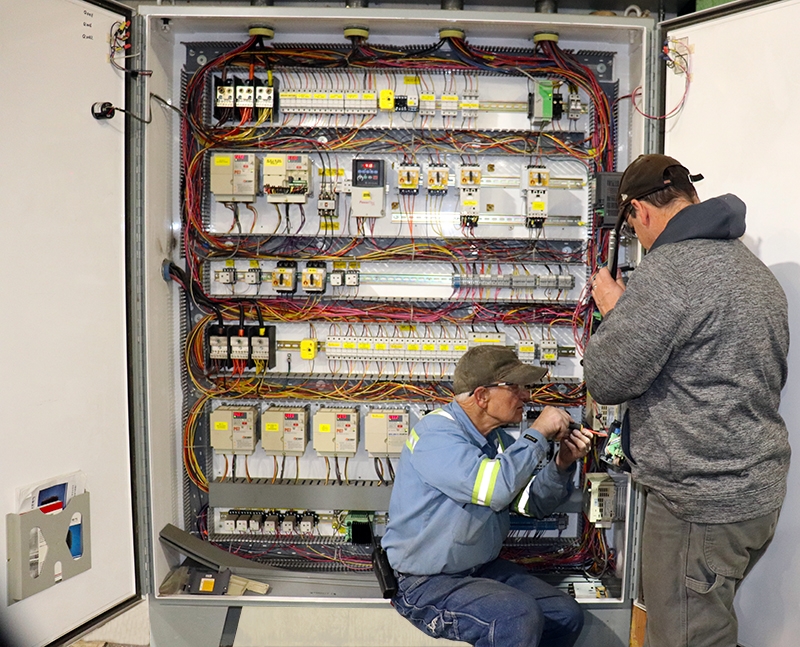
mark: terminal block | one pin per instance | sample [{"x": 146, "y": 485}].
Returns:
[
  {"x": 284, "y": 431},
  {"x": 470, "y": 206},
  {"x": 408, "y": 179},
  {"x": 536, "y": 181},
  {"x": 427, "y": 105},
  {"x": 245, "y": 94},
  {"x": 263, "y": 345},
  {"x": 233, "y": 177},
  {"x": 218, "y": 342},
  {"x": 470, "y": 106},
  {"x": 438, "y": 179},
  {"x": 224, "y": 97},
  {"x": 284, "y": 276},
  {"x": 286, "y": 178},
  {"x": 336, "y": 432},
  {"x": 265, "y": 97},
  {"x": 449, "y": 103},
  {"x": 253, "y": 276},
  {"x": 548, "y": 351},
  {"x": 233, "y": 430},
  {"x": 314, "y": 276},
  {"x": 385, "y": 432},
  {"x": 337, "y": 278},
  {"x": 238, "y": 343}
]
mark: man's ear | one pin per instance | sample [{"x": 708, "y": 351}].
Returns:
[{"x": 642, "y": 211}]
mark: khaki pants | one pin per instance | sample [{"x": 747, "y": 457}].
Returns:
[{"x": 690, "y": 574}]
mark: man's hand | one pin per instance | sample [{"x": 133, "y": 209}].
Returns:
[
  {"x": 606, "y": 291},
  {"x": 573, "y": 448},
  {"x": 552, "y": 423}
]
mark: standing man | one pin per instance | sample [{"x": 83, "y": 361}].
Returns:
[
  {"x": 696, "y": 344},
  {"x": 457, "y": 478}
]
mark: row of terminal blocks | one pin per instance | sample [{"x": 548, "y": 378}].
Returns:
[
  {"x": 314, "y": 277},
  {"x": 434, "y": 349},
  {"x": 515, "y": 281},
  {"x": 544, "y": 103},
  {"x": 268, "y": 522},
  {"x": 283, "y": 431},
  {"x": 252, "y": 344}
]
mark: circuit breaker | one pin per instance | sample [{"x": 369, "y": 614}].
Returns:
[
  {"x": 385, "y": 431},
  {"x": 284, "y": 431},
  {"x": 336, "y": 432},
  {"x": 234, "y": 430}
]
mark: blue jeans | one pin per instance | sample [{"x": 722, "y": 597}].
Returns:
[{"x": 499, "y": 604}]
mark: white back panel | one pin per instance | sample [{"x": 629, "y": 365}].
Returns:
[
  {"x": 736, "y": 129},
  {"x": 63, "y": 350}
]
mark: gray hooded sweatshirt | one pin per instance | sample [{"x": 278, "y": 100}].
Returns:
[{"x": 697, "y": 346}]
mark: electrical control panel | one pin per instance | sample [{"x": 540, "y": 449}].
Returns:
[{"x": 405, "y": 205}]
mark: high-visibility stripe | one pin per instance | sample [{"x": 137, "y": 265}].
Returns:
[
  {"x": 441, "y": 412},
  {"x": 412, "y": 441},
  {"x": 500, "y": 448},
  {"x": 521, "y": 504},
  {"x": 484, "y": 483}
]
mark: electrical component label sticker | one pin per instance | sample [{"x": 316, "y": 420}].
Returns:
[
  {"x": 221, "y": 425},
  {"x": 325, "y": 428}
]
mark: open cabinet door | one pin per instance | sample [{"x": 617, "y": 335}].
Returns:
[
  {"x": 737, "y": 129},
  {"x": 63, "y": 333}
]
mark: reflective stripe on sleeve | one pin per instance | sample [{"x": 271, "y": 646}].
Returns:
[
  {"x": 412, "y": 441},
  {"x": 521, "y": 504},
  {"x": 484, "y": 483}
]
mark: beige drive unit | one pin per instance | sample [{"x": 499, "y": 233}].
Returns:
[
  {"x": 385, "y": 431},
  {"x": 234, "y": 430},
  {"x": 336, "y": 432},
  {"x": 284, "y": 431}
]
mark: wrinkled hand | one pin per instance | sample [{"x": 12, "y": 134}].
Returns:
[
  {"x": 606, "y": 291},
  {"x": 573, "y": 447},
  {"x": 552, "y": 423}
]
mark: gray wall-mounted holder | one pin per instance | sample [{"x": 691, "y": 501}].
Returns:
[{"x": 39, "y": 554}]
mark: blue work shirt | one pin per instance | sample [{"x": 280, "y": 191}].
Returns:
[{"x": 449, "y": 510}]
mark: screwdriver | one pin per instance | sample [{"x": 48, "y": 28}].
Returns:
[{"x": 575, "y": 425}]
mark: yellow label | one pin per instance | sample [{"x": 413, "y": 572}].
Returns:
[
  {"x": 407, "y": 328},
  {"x": 364, "y": 345},
  {"x": 460, "y": 347},
  {"x": 549, "y": 356},
  {"x": 377, "y": 415},
  {"x": 366, "y": 195},
  {"x": 333, "y": 344},
  {"x": 304, "y": 95},
  {"x": 354, "y": 265},
  {"x": 206, "y": 584},
  {"x": 272, "y": 426},
  {"x": 444, "y": 346},
  {"x": 429, "y": 347},
  {"x": 349, "y": 344},
  {"x": 352, "y": 95},
  {"x": 273, "y": 161},
  {"x": 411, "y": 80},
  {"x": 486, "y": 341},
  {"x": 469, "y": 203},
  {"x": 449, "y": 97},
  {"x": 368, "y": 96},
  {"x": 221, "y": 426},
  {"x": 537, "y": 206},
  {"x": 467, "y": 106},
  {"x": 413, "y": 347},
  {"x": 320, "y": 95},
  {"x": 336, "y": 96},
  {"x": 396, "y": 346},
  {"x": 324, "y": 428},
  {"x": 220, "y": 160},
  {"x": 427, "y": 97},
  {"x": 253, "y": 263},
  {"x": 288, "y": 95},
  {"x": 230, "y": 263},
  {"x": 527, "y": 349},
  {"x": 340, "y": 265},
  {"x": 332, "y": 172},
  {"x": 329, "y": 224},
  {"x": 380, "y": 346}
]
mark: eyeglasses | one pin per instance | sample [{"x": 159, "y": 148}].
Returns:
[
  {"x": 627, "y": 228},
  {"x": 522, "y": 392}
]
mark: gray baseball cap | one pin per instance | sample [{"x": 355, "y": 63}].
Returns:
[{"x": 483, "y": 365}]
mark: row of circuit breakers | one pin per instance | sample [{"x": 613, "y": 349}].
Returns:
[
  {"x": 257, "y": 343},
  {"x": 544, "y": 102},
  {"x": 315, "y": 277},
  {"x": 284, "y": 431},
  {"x": 286, "y": 178}
]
